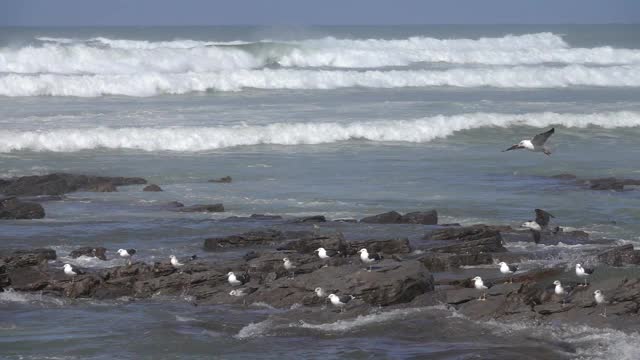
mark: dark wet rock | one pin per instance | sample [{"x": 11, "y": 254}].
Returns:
[
  {"x": 467, "y": 233},
  {"x": 12, "y": 208},
  {"x": 619, "y": 256},
  {"x": 311, "y": 219},
  {"x": 442, "y": 262},
  {"x": 391, "y": 217},
  {"x": 104, "y": 187},
  {"x": 564, "y": 176},
  {"x": 420, "y": 217},
  {"x": 202, "y": 208},
  {"x": 22, "y": 258},
  {"x": 251, "y": 238},
  {"x": 265, "y": 217},
  {"x": 222, "y": 180},
  {"x": 611, "y": 183},
  {"x": 174, "y": 205},
  {"x": 307, "y": 244},
  {"x": 389, "y": 246},
  {"x": 152, "y": 188},
  {"x": 61, "y": 183},
  {"x": 97, "y": 252},
  {"x": 250, "y": 255},
  {"x": 492, "y": 244}
]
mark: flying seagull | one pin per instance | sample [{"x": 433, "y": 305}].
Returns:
[
  {"x": 367, "y": 258},
  {"x": 72, "y": 271},
  {"x": 236, "y": 280},
  {"x": 583, "y": 273},
  {"x": 508, "y": 269},
  {"x": 600, "y": 299},
  {"x": 540, "y": 223},
  {"x": 536, "y": 144},
  {"x": 127, "y": 254},
  {"x": 340, "y": 301},
  {"x": 482, "y": 286}
]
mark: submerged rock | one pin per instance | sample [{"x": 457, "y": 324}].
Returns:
[
  {"x": 61, "y": 183},
  {"x": 12, "y": 208},
  {"x": 97, "y": 252},
  {"x": 250, "y": 238},
  {"x": 152, "y": 188},
  {"x": 202, "y": 208},
  {"x": 222, "y": 180},
  {"x": 394, "y": 217}
]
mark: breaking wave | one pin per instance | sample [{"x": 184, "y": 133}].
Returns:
[{"x": 193, "y": 139}]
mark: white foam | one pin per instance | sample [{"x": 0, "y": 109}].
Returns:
[
  {"x": 156, "y": 83},
  {"x": 253, "y": 330},
  {"x": 192, "y": 139},
  {"x": 12, "y": 296},
  {"x": 366, "y": 320}
]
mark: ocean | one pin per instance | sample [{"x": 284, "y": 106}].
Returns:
[{"x": 344, "y": 122}]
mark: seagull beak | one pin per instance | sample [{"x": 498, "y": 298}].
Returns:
[{"x": 513, "y": 147}]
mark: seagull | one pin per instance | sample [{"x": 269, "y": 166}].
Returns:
[
  {"x": 127, "y": 254},
  {"x": 320, "y": 292},
  {"x": 560, "y": 290},
  {"x": 236, "y": 280},
  {"x": 540, "y": 223},
  {"x": 288, "y": 265},
  {"x": 482, "y": 286},
  {"x": 583, "y": 273},
  {"x": 536, "y": 144},
  {"x": 325, "y": 254},
  {"x": 72, "y": 271},
  {"x": 368, "y": 258},
  {"x": 508, "y": 269},
  {"x": 600, "y": 299},
  {"x": 176, "y": 263},
  {"x": 340, "y": 301}
]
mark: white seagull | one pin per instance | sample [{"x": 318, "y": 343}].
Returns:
[
  {"x": 236, "y": 280},
  {"x": 72, "y": 271},
  {"x": 560, "y": 290},
  {"x": 482, "y": 286},
  {"x": 177, "y": 264},
  {"x": 536, "y": 144},
  {"x": 508, "y": 269},
  {"x": 127, "y": 254},
  {"x": 320, "y": 292},
  {"x": 583, "y": 273},
  {"x": 325, "y": 254},
  {"x": 367, "y": 258},
  {"x": 600, "y": 299},
  {"x": 288, "y": 265},
  {"x": 340, "y": 301}
]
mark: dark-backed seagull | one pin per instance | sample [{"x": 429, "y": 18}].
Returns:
[
  {"x": 508, "y": 269},
  {"x": 583, "y": 273},
  {"x": 177, "y": 263},
  {"x": 482, "y": 286},
  {"x": 325, "y": 254},
  {"x": 289, "y": 266},
  {"x": 72, "y": 271},
  {"x": 561, "y": 291},
  {"x": 600, "y": 299},
  {"x": 236, "y": 280},
  {"x": 540, "y": 223},
  {"x": 127, "y": 254},
  {"x": 536, "y": 144},
  {"x": 367, "y": 258},
  {"x": 340, "y": 301}
]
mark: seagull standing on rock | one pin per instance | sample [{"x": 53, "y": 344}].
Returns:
[
  {"x": 508, "y": 269},
  {"x": 540, "y": 223},
  {"x": 583, "y": 273},
  {"x": 367, "y": 258},
  {"x": 536, "y": 144},
  {"x": 600, "y": 299},
  {"x": 127, "y": 254},
  {"x": 237, "y": 280},
  {"x": 482, "y": 286},
  {"x": 288, "y": 265},
  {"x": 177, "y": 264},
  {"x": 560, "y": 290},
  {"x": 340, "y": 301},
  {"x": 72, "y": 271}
]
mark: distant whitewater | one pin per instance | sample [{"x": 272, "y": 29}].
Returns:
[
  {"x": 193, "y": 139},
  {"x": 102, "y": 66}
]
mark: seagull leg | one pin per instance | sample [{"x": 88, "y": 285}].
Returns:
[{"x": 604, "y": 314}]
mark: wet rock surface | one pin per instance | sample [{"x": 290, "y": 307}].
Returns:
[
  {"x": 12, "y": 208},
  {"x": 152, "y": 188},
  {"x": 394, "y": 217},
  {"x": 62, "y": 183},
  {"x": 211, "y": 208}
]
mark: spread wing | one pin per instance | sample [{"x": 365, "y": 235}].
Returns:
[
  {"x": 542, "y": 217},
  {"x": 540, "y": 139}
]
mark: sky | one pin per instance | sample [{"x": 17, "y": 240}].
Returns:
[{"x": 318, "y": 12}]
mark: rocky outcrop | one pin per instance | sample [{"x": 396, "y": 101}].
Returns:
[
  {"x": 394, "y": 217},
  {"x": 213, "y": 208},
  {"x": 97, "y": 252},
  {"x": 607, "y": 183},
  {"x": 251, "y": 238},
  {"x": 152, "y": 188},
  {"x": 436, "y": 262},
  {"x": 468, "y": 240},
  {"x": 12, "y": 208},
  {"x": 61, "y": 183},
  {"x": 619, "y": 256},
  {"x": 222, "y": 180}
]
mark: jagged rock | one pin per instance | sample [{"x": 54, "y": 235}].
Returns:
[
  {"x": 491, "y": 244},
  {"x": 390, "y": 246},
  {"x": 152, "y": 188},
  {"x": 251, "y": 238},
  {"x": 620, "y": 255},
  {"x": 442, "y": 262},
  {"x": 104, "y": 187},
  {"x": 420, "y": 217},
  {"x": 98, "y": 252},
  {"x": 222, "y": 180},
  {"x": 60, "y": 183},
  {"x": 391, "y": 217},
  {"x": 308, "y": 243},
  {"x": 22, "y": 258},
  {"x": 311, "y": 219},
  {"x": 466, "y": 233},
  {"x": 202, "y": 208},
  {"x": 12, "y": 208}
]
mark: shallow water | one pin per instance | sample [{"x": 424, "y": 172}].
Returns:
[{"x": 345, "y": 122}]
